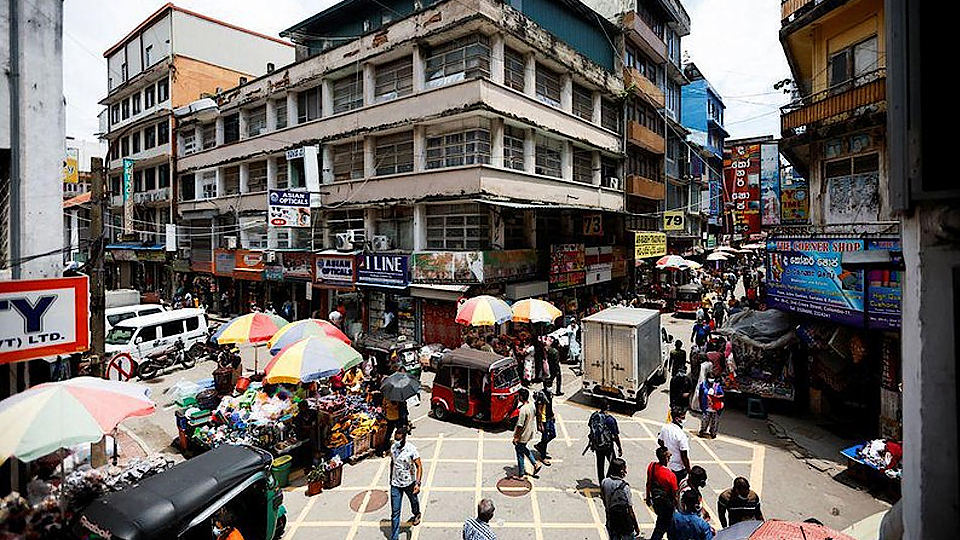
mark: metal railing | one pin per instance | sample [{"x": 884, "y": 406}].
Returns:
[{"x": 850, "y": 95}]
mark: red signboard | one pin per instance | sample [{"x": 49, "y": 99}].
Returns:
[
  {"x": 741, "y": 170},
  {"x": 43, "y": 317},
  {"x": 248, "y": 265}
]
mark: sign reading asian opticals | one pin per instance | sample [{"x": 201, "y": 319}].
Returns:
[
  {"x": 288, "y": 208},
  {"x": 43, "y": 317},
  {"x": 649, "y": 244},
  {"x": 335, "y": 271}
]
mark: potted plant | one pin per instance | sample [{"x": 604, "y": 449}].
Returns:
[{"x": 315, "y": 479}]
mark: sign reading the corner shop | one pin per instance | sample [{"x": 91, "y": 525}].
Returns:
[{"x": 43, "y": 317}]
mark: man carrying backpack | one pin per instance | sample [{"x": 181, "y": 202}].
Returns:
[
  {"x": 661, "y": 492},
  {"x": 618, "y": 501},
  {"x": 546, "y": 423},
  {"x": 604, "y": 433}
]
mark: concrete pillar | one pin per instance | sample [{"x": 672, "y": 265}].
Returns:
[
  {"x": 244, "y": 177},
  {"x": 530, "y": 227},
  {"x": 272, "y": 173},
  {"x": 326, "y": 97},
  {"x": 197, "y": 137},
  {"x": 326, "y": 173},
  {"x": 369, "y": 157},
  {"x": 566, "y": 161},
  {"x": 419, "y": 69},
  {"x": 496, "y": 58},
  {"x": 221, "y": 182},
  {"x": 198, "y": 185},
  {"x": 595, "y": 168},
  {"x": 498, "y": 230},
  {"x": 272, "y": 240},
  {"x": 566, "y": 92},
  {"x": 419, "y": 227},
  {"x": 530, "y": 74},
  {"x": 243, "y": 123},
  {"x": 597, "y": 108},
  {"x": 370, "y": 223},
  {"x": 530, "y": 151},
  {"x": 271, "y": 115},
  {"x": 419, "y": 148},
  {"x": 219, "y": 130},
  {"x": 496, "y": 142},
  {"x": 369, "y": 83},
  {"x": 292, "y": 112}
]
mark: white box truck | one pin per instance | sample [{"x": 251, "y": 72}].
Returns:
[{"x": 623, "y": 354}]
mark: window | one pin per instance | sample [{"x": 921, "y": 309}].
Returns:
[
  {"x": 193, "y": 323},
  {"x": 115, "y": 113},
  {"x": 208, "y": 184},
  {"x": 469, "y": 147},
  {"x": 208, "y": 133},
  {"x": 609, "y": 115},
  {"x": 163, "y": 91},
  {"x": 514, "y": 68},
  {"x": 608, "y": 170},
  {"x": 231, "y": 180},
  {"x": 123, "y": 71},
  {"x": 256, "y": 121},
  {"x": 348, "y": 93},
  {"x": 348, "y": 161},
  {"x": 231, "y": 128},
  {"x": 135, "y": 142},
  {"x": 147, "y": 53},
  {"x": 853, "y": 188},
  {"x": 147, "y": 333},
  {"x": 282, "y": 175},
  {"x": 457, "y": 60},
  {"x": 280, "y": 106},
  {"x": 852, "y": 64},
  {"x": 149, "y": 179},
  {"x": 163, "y": 176},
  {"x": 135, "y": 101},
  {"x": 396, "y": 223},
  {"x": 513, "y": 138},
  {"x": 298, "y": 173},
  {"x": 549, "y": 153},
  {"x": 582, "y": 166},
  {"x": 583, "y": 102},
  {"x": 308, "y": 105},
  {"x": 163, "y": 132},
  {"x": 149, "y": 137},
  {"x": 457, "y": 227},
  {"x": 253, "y": 232},
  {"x": 125, "y": 108},
  {"x": 187, "y": 188},
  {"x": 548, "y": 85},
  {"x": 189, "y": 136},
  {"x": 124, "y": 146},
  {"x": 394, "y": 79},
  {"x": 394, "y": 153},
  {"x": 149, "y": 97},
  {"x": 257, "y": 177}
]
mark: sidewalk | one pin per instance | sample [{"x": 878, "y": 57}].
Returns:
[{"x": 811, "y": 443}]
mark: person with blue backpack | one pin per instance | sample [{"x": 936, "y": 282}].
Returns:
[{"x": 604, "y": 434}]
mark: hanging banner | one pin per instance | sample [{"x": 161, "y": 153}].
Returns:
[
  {"x": 794, "y": 199},
  {"x": 770, "y": 183},
  {"x": 71, "y": 171},
  {"x": 741, "y": 169},
  {"x": 649, "y": 244},
  {"x": 288, "y": 208},
  {"x": 43, "y": 317},
  {"x": 127, "y": 196}
]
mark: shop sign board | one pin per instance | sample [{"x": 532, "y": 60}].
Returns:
[
  {"x": 288, "y": 208},
  {"x": 567, "y": 266},
  {"x": 43, "y": 317},
  {"x": 127, "y": 196},
  {"x": 297, "y": 265},
  {"x": 335, "y": 271},
  {"x": 124, "y": 255},
  {"x": 509, "y": 265},
  {"x": 384, "y": 269},
  {"x": 649, "y": 244},
  {"x": 741, "y": 169},
  {"x": 224, "y": 262},
  {"x": 273, "y": 273},
  {"x": 619, "y": 262},
  {"x": 593, "y": 224},
  {"x": 248, "y": 265},
  {"x": 794, "y": 199},
  {"x": 448, "y": 267},
  {"x": 770, "y": 183},
  {"x": 714, "y": 213},
  {"x": 883, "y": 289},
  {"x": 673, "y": 220}
]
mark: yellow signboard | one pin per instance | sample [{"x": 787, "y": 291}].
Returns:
[
  {"x": 71, "y": 174},
  {"x": 649, "y": 244},
  {"x": 673, "y": 220}
]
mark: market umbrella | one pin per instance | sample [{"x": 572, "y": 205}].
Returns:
[
  {"x": 255, "y": 327},
  {"x": 532, "y": 310},
  {"x": 694, "y": 265},
  {"x": 718, "y": 256},
  {"x": 311, "y": 359},
  {"x": 399, "y": 386},
  {"x": 50, "y": 416},
  {"x": 754, "y": 246},
  {"x": 671, "y": 261},
  {"x": 484, "y": 310},
  {"x": 726, "y": 248},
  {"x": 794, "y": 530},
  {"x": 298, "y": 330}
]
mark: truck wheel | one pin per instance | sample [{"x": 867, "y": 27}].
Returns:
[
  {"x": 439, "y": 411},
  {"x": 642, "y": 395},
  {"x": 281, "y": 525}
]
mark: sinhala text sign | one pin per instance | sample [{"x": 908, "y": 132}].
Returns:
[{"x": 43, "y": 317}]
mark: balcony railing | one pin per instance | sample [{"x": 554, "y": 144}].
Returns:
[
  {"x": 645, "y": 138},
  {"x": 645, "y": 187},
  {"x": 834, "y": 102},
  {"x": 789, "y": 7},
  {"x": 645, "y": 37},
  {"x": 650, "y": 91}
]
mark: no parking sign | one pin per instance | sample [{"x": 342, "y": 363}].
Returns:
[{"x": 121, "y": 368}]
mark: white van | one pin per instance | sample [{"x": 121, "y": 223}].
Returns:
[
  {"x": 117, "y": 314},
  {"x": 143, "y": 336}
]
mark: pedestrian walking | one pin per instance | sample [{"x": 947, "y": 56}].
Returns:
[
  {"x": 478, "y": 528},
  {"x": 677, "y": 442},
  {"x": 687, "y": 523},
  {"x": 406, "y": 471},
  {"x": 711, "y": 403},
  {"x": 681, "y": 387},
  {"x": 696, "y": 481},
  {"x": 618, "y": 502},
  {"x": 523, "y": 433},
  {"x": 604, "y": 434},
  {"x": 395, "y": 412},
  {"x": 661, "y": 493},
  {"x": 740, "y": 502},
  {"x": 701, "y": 332},
  {"x": 546, "y": 422},
  {"x": 678, "y": 358},
  {"x": 553, "y": 363},
  {"x": 704, "y": 369},
  {"x": 719, "y": 312}
]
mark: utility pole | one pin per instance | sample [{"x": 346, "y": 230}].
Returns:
[{"x": 97, "y": 289}]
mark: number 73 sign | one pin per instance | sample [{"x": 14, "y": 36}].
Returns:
[{"x": 673, "y": 220}]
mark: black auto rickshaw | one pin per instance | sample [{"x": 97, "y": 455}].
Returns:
[
  {"x": 390, "y": 353},
  {"x": 181, "y": 503}
]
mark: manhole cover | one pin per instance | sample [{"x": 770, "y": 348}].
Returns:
[
  {"x": 378, "y": 499},
  {"x": 514, "y": 488}
]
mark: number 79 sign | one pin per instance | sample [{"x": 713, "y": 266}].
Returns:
[{"x": 673, "y": 220}]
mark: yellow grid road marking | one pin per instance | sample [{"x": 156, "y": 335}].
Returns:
[
  {"x": 563, "y": 428},
  {"x": 366, "y": 499},
  {"x": 425, "y": 487}
]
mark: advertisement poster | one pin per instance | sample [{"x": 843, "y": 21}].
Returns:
[
  {"x": 297, "y": 265},
  {"x": 249, "y": 265},
  {"x": 71, "y": 172},
  {"x": 599, "y": 261},
  {"x": 384, "y": 269},
  {"x": 43, "y": 317},
  {"x": 715, "y": 199},
  {"x": 794, "y": 199},
  {"x": 770, "y": 183},
  {"x": 741, "y": 169},
  {"x": 805, "y": 276},
  {"x": 509, "y": 265},
  {"x": 567, "y": 265},
  {"x": 224, "y": 261},
  {"x": 334, "y": 271},
  {"x": 288, "y": 208},
  {"x": 448, "y": 267},
  {"x": 649, "y": 244},
  {"x": 883, "y": 290}
]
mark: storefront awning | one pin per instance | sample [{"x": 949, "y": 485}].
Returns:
[
  {"x": 431, "y": 291},
  {"x": 137, "y": 246},
  {"x": 544, "y": 205}
]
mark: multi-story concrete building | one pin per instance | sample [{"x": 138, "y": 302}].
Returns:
[
  {"x": 456, "y": 144},
  {"x": 169, "y": 60},
  {"x": 703, "y": 115}
]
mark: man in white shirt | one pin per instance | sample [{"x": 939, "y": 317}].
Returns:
[
  {"x": 677, "y": 441},
  {"x": 406, "y": 470}
]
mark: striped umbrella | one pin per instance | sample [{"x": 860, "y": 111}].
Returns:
[
  {"x": 311, "y": 359},
  {"x": 532, "y": 310},
  {"x": 50, "y": 416},
  {"x": 253, "y": 327},
  {"x": 671, "y": 261},
  {"x": 298, "y": 330},
  {"x": 484, "y": 310}
]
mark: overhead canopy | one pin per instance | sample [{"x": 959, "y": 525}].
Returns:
[
  {"x": 160, "y": 506},
  {"x": 770, "y": 329},
  {"x": 471, "y": 358}
]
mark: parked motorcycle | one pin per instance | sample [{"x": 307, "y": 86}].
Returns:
[{"x": 153, "y": 364}]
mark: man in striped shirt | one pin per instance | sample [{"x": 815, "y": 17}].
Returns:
[{"x": 478, "y": 528}]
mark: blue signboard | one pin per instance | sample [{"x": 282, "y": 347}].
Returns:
[
  {"x": 883, "y": 289},
  {"x": 383, "y": 269}
]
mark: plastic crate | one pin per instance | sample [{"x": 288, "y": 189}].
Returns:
[
  {"x": 361, "y": 445},
  {"x": 333, "y": 477},
  {"x": 345, "y": 452}
]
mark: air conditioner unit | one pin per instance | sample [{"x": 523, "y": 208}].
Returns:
[
  {"x": 381, "y": 243},
  {"x": 614, "y": 183},
  {"x": 356, "y": 236},
  {"x": 343, "y": 242},
  {"x": 230, "y": 241}
]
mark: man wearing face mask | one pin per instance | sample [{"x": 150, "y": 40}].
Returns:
[
  {"x": 406, "y": 470},
  {"x": 223, "y": 527},
  {"x": 739, "y": 502}
]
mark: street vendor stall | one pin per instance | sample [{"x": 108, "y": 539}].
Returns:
[{"x": 763, "y": 347}]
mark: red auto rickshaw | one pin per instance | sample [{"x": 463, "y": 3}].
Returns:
[
  {"x": 689, "y": 299},
  {"x": 479, "y": 385}
]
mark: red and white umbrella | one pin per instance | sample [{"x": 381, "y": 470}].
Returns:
[{"x": 671, "y": 261}]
